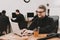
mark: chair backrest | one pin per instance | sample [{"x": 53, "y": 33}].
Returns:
[{"x": 56, "y": 22}]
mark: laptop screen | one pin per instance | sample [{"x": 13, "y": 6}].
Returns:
[
  {"x": 13, "y": 14},
  {"x": 30, "y": 14}
]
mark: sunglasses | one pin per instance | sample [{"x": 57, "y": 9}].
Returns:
[{"x": 40, "y": 11}]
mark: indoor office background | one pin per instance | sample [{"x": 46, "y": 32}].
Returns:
[{"x": 11, "y": 5}]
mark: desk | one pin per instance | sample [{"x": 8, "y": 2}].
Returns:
[{"x": 12, "y": 36}]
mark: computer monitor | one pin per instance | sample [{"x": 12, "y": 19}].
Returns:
[
  {"x": 30, "y": 14},
  {"x": 14, "y": 15}
]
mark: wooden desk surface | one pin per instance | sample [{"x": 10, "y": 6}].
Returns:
[{"x": 12, "y": 36}]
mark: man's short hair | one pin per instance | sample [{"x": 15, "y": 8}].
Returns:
[
  {"x": 42, "y": 7},
  {"x": 17, "y": 10},
  {"x": 3, "y": 11}
]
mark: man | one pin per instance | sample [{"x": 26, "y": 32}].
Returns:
[
  {"x": 4, "y": 23},
  {"x": 20, "y": 20},
  {"x": 42, "y": 21}
]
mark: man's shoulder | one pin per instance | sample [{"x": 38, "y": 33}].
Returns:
[
  {"x": 6, "y": 17},
  {"x": 20, "y": 14}
]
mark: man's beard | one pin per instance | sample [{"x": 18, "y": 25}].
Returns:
[{"x": 41, "y": 17}]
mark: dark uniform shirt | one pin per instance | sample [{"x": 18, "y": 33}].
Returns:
[
  {"x": 4, "y": 23},
  {"x": 46, "y": 24},
  {"x": 21, "y": 21}
]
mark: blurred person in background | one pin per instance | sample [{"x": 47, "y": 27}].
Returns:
[
  {"x": 20, "y": 20},
  {"x": 5, "y": 26}
]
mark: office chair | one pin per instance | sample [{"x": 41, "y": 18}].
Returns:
[
  {"x": 54, "y": 34},
  {"x": 56, "y": 23}
]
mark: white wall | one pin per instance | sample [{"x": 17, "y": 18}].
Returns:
[
  {"x": 55, "y": 8},
  {"x": 11, "y": 5}
]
